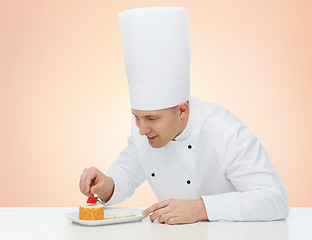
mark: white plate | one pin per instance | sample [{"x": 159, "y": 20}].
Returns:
[{"x": 110, "y": 212}]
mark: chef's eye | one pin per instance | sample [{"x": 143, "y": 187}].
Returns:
[{"x": 151, "y": 118}]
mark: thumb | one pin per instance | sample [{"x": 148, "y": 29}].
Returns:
[{"x": 94, "y": 190}]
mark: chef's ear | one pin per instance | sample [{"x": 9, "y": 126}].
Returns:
[{"x": 183, "y": 109}]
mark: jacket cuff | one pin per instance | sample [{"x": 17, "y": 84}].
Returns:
[{"x": 219, "y": 209}]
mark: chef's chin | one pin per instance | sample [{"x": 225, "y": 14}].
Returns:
[{"x": 156, "y": 143}]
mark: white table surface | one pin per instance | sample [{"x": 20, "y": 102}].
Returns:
[{"x": 51, "y": 223}]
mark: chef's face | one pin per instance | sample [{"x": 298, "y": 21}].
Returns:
[{"x": 162, "y": 126}]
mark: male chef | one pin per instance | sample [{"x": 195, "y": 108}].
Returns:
[{"x": 201, "y": 161}]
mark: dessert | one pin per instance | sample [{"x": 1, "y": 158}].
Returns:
[{"x": 91, "y": 210}]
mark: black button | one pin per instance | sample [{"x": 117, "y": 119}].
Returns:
[
  {"x": 189, "y": 146},
  {"x": 153, "y": 174},
  {"x": 188, "y": 182}
]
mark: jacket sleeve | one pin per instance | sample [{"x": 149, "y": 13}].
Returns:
[
  {"x": 126, "y": 173},
  {"x": 260, "y": 194}
]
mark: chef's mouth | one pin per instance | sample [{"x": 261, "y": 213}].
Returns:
[{"x": 152, "y": 138}]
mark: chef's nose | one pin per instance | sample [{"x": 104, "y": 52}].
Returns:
[{"x": 144, "y": 128}]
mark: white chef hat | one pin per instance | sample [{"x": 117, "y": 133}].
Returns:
[{"x": 156, "y": 51}]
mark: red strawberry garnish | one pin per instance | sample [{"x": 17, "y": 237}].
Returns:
[{"x": 92, "y": 200}]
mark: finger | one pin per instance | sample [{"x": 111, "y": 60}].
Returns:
[
  {"x": 92, "y": 183},
  {"x": 85, "y": 183},
  {"x": 155, "y": 207},
  {"x": 173, "y": 221},
  {"x": 156, "y": 214},
  {"x": 90, "y": 178},
  {"x": 94, "y": 190},
  {"x": 90, "y": 175},
  {"x": 165, "y": 217}
]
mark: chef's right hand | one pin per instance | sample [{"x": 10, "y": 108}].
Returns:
[{"x": 93, "y": 181}]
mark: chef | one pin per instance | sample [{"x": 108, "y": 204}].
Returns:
[{"x": 202, "y": 162}]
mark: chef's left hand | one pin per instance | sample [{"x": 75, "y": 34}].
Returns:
[{"x": 177, "y": 211}]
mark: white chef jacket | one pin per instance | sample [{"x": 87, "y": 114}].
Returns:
[{"x": 215, "y": 158}]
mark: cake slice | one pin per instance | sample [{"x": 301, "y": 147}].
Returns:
[{"x": 90, "y": 211}]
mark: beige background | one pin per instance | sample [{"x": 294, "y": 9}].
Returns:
[{"x": 64, "y": 100}]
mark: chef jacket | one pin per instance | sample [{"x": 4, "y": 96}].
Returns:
[{"x": 216, "y": 158}]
